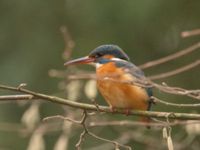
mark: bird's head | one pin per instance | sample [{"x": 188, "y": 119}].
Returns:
[{"x": 101, "y": 55}]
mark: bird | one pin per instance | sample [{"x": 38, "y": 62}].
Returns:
[{"x": 117, "y": 78}]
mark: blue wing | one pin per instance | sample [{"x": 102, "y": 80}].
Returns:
[{"x": 137, "y": 73}]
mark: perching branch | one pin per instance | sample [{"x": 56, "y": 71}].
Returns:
[
  {"x": 155, "y": 99},
  {"x": 35, "y": 95}
]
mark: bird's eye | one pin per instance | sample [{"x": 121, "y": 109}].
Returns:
[{"x": 98, "y": 55}]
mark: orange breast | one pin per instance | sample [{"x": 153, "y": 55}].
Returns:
[{"x": 118, "y": 94}]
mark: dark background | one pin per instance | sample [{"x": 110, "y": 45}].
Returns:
[{"x": 31, "y": 44}]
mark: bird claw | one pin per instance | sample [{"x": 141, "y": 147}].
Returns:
[{"x": 152, "y": 100}]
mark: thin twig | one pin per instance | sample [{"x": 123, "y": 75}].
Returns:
[
  {"x": 61, "y": 117},
  {"x": 85, "y": 131},
  {"x": 155, "y": 99},
  {"x": 185, "y": 34},
  {"x": 137, "y": 123},
  {"x": 16, "y": 97},
  {"x": 176, "y": 90},
  {"x": 116, "y": 144},
  {"x": 170, "y": 57},
  {"x": 81, "y": 138},
  {"x": 176, "y": 71}
]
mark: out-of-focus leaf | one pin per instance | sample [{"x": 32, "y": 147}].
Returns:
[
  {"x": 170, "y": 143},
  {"x": 90, "y": 89},
  {"x": 73, "y": 89},
  {"x": 192, "y": 128},
  {"x": 31, "y": 116},
  {"x": 36, "y": 142},
  {"x": 61, "y": 143}
]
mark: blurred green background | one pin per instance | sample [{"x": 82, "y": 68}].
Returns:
[{"x": 31, "y": 44}]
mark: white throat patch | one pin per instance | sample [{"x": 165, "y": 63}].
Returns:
[{"x": 98, "y": 65}]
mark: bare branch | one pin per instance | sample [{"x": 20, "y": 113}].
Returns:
[
  {"x": 16, "y": 97},
  {"x": 171, "y": 57},
  {"x": 102, "y": 108},
  {"x": 85, "y": 131},
  {"x": 81, "y": 138},
  {"x": 137, "y": 123},
  {"x": 176, "y": 90},
  {"x": 176, "y": 71},
  {"x": 62, "y": 118},
  {"x": 116, "y": 144},
  {"x": 155, "y": 99}
]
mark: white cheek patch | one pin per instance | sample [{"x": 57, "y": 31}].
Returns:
[
  {"x": 112, "y": 59},
  {"x": 117, "y": 59}
]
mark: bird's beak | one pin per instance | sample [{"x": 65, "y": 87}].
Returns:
[{"x": 82, "y": 60}]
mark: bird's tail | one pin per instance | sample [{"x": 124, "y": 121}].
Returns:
[{"x": 148, "y": 120}]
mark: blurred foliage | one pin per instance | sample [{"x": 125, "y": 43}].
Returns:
[{"x": 31, "y": 44}]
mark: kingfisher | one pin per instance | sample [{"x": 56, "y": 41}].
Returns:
[{"x": 116, "y": 76}]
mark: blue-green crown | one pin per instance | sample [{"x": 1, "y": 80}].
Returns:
[{"x": 109, "y": 49}]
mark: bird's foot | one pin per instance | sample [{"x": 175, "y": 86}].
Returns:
[{"x": 152, "y": 100}]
